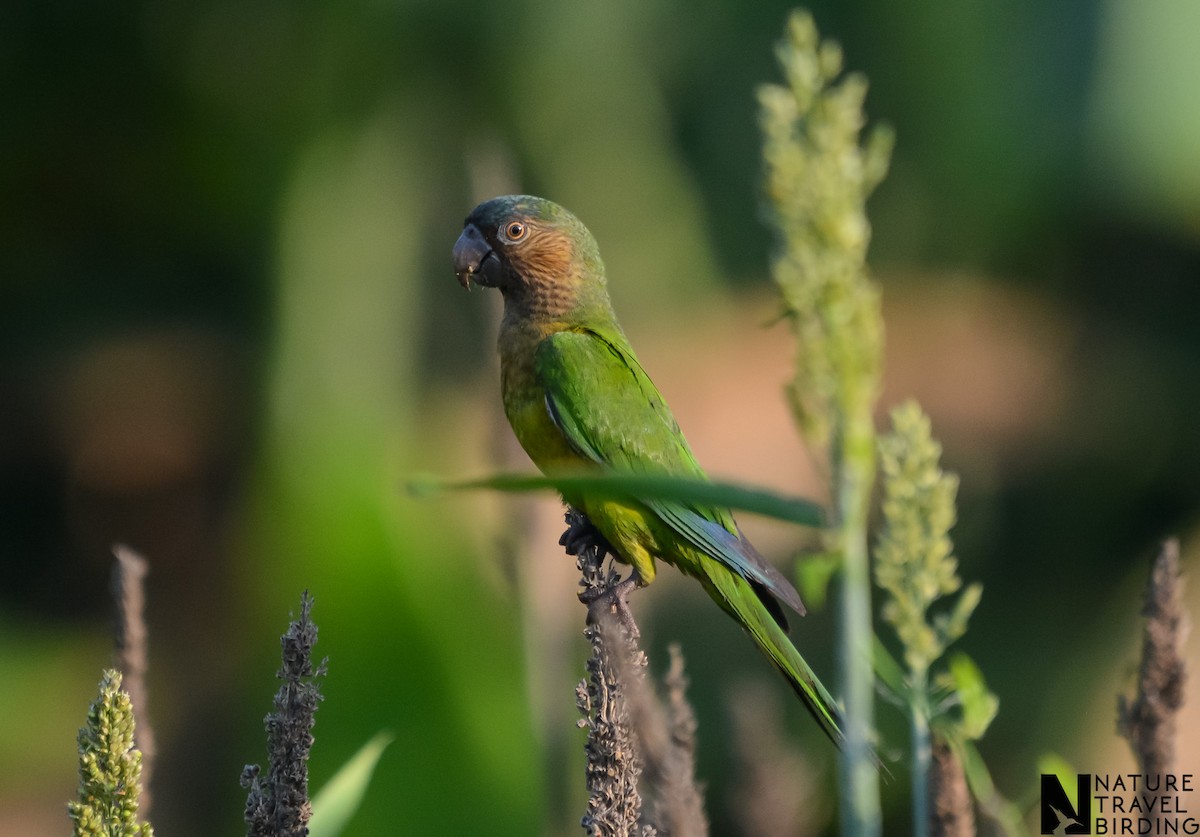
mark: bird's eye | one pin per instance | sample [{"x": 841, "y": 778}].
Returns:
[{"x": 514, "y": 230}]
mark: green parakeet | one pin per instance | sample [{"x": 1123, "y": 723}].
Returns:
[{"x": 577, "y": 398}]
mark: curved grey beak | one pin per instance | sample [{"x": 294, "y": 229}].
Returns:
[{"x": 475, "y": 259}]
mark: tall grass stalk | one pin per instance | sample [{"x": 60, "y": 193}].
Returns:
[
  {"x": 916, "y": 571},
  {"x": 818, "y": 178}
]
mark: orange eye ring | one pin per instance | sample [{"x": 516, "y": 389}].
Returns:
[{"x": 514, "y": 230}]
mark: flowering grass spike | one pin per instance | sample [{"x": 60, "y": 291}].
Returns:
[{"x": 110, "y": 768}]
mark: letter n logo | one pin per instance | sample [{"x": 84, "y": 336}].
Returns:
[{"x": 1059, "y": 816}]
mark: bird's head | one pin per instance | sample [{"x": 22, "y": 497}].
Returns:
[{"x": 531, "y": 249}]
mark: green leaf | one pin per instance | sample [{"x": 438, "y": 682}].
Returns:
[
  {"x": 643, "y": 487},
  {"x": 979, "y": 778},
  {"x": 341, "y": 796},
  {"x": 979, "y": 704},
  {"x": 813, "y": 574},
  {"x": 955, "y": 623},
  {"x": 1060, "y": 767},
  {"x": 1005, "y": 814},
  {"x": 889, "y": 672}
]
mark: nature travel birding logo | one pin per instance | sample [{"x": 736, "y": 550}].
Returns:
[{"x": 1120, "y": 803}]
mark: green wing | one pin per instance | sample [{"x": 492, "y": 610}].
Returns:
[{"x": 608, "y": 409}]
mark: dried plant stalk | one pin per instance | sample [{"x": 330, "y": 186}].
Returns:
[
  {"x": 277, "y": 805},
  {"x": 630, "y": 732},
  {"x": 132, "y": 656},
  {"x": 667, "y": 734},
  {"x": 1148, "y": 722},
  {"x": 951, "y": 812},
  {"x": 614, "y": 758}
]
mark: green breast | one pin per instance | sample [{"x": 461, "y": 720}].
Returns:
[
  {"x": 630, "y": 528},
  {"x": 525, "y": 402}
]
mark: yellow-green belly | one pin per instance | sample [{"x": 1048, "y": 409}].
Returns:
[{"x": 635, "y": 533}]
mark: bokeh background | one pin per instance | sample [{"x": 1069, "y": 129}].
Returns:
[{"x": 230, "y": 332}]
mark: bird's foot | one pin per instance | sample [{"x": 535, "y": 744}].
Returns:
[
  {"x": 582, "y": 535},
  {"x": 612, "y": 602}
]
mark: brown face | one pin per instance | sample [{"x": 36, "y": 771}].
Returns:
[{"x": 506, "y": 244}]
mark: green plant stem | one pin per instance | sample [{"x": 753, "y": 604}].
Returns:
[
  {"x": 922, "y": 757},
  {"x": 855, "y": 462}
]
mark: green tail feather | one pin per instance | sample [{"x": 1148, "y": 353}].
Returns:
[{"x": 738, "y": 599}]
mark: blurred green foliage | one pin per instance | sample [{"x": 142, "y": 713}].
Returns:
[
  {"x": 230, "y": 331},
  {"x": 342, "y": 795}
]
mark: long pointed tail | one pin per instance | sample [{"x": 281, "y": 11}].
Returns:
[{"x": 737, "y": 598}]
